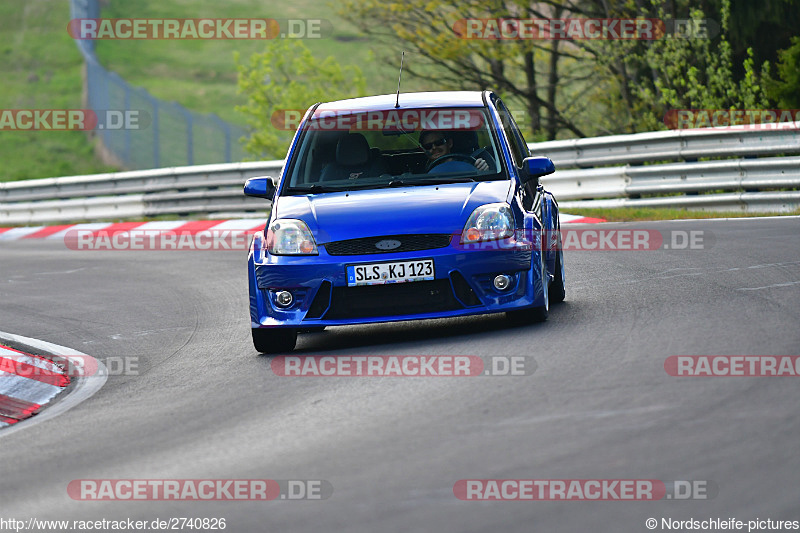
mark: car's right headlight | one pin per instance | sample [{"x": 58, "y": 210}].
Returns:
[
  {"x": 488, "y": 222},
  {"x": 290, "y": 237}
]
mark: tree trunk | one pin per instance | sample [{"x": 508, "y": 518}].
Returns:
[{"x": 534, "y": 107}]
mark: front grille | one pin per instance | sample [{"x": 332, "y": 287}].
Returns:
[
  {"x": 408, "y": 243},
  {"x": 392, "y": 299}
]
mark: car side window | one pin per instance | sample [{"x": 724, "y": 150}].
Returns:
[
  {"x": 519, "y": 148},
  {"x": 519, "y": 151}
]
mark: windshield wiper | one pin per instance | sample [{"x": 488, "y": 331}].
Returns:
[
  {"x": 428, "y": 181},
  {"x": 312, "y": 189}
]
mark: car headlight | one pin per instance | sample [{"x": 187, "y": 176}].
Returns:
[
  {"x": 290, "y": 237},
  {"x": 487, "y": 223}
]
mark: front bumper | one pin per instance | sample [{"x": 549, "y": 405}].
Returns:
[{"x": 463, "y": 285}]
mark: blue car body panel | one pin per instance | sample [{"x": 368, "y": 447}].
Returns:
[
  {"x": 428, "y": 209},
  {"x": 463, "y": 279}
]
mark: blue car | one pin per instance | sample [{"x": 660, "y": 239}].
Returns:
[{"x": 403, "y": 207}]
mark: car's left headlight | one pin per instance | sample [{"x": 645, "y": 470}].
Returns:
[
  {"x": 290, "y": 237},
  {"x": 487, "y": 223}
]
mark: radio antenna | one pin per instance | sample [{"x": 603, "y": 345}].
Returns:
[{"x": 400, "y": 77}]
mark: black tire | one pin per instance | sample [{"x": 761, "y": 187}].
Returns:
[
  {"x": 274, "y": 340},
  {"x": 557, "y": 293},
  {"x": 522, "y": 317}
]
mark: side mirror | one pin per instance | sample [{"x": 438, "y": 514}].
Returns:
[
  {"x": 260, "y": 187},
  {"x": 534, "y": 168}
]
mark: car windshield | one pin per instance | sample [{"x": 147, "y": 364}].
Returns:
[{"x": 393, "y": 148}]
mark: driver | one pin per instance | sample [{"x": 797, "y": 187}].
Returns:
[{"x": 436, "y": 145}]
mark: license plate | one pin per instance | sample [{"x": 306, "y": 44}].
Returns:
[{"x": 396, "y": 272}]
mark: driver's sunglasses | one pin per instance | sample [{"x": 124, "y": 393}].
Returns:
[{"x": 429, "y": 146}]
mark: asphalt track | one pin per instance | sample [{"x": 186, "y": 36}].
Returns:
[{"x": 600, "y": 405}]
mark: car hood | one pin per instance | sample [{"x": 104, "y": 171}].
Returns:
[{"x": 393, "y": 211}]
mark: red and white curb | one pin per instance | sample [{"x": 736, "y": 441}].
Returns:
[
  {"x": 185, "y": 227},
  {"x": 29, "y": 382}
]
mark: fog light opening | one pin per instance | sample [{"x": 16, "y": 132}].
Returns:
[
  {"x": 284, "y": 298},
  {"x": 502, "y": 282}
]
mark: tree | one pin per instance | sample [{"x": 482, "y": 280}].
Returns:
[
  {"x": 541, "y": 77},
  {"x": 766, "y": 26},
  {"x": 569, "y": 87},
  {"x": 280, "y": 83},
  {"x": 697, "y": 74},
  {"x": 650, "y": 77},
  {"x": 786, "y": 89}
]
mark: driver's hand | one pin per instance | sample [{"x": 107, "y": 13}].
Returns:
[{"x": 480, "y": 164}]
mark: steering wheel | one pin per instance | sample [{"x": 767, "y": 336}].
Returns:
[{"x": 462, "y": 157}]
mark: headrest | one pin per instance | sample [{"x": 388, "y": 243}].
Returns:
[
  {"x": 352, "y": 150},
  {"x": 464, "y": 141}
]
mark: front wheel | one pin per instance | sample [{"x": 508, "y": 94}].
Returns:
[
  {"x": 274, "y": 340},
  {"x": 557, "y": 293}
]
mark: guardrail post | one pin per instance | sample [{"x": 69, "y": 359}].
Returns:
[
  {"x": 227, "y": 131},
  {"x": 154, "y": 124},
  {"x": 189, "y": 134},
  {"x": 127, "y": 132}
]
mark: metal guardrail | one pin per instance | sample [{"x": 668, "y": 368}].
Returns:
[
  {"x": 750, "y": 182},
  {"x": 754, "y": 202},
  {"x": 215, "y": 191},
  {"x": 686, "y": 145},
  {"x": 207, "y": 190},
  {"x": 696, "y": 177}
]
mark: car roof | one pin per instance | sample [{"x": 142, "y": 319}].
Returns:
[{"x": 407, "y": 101}]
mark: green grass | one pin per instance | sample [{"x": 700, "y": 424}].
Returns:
[
  {"x": 636, "y": 214},
  {"x": 201, "y": 74},
  {"x": 41, "y": 69}
]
